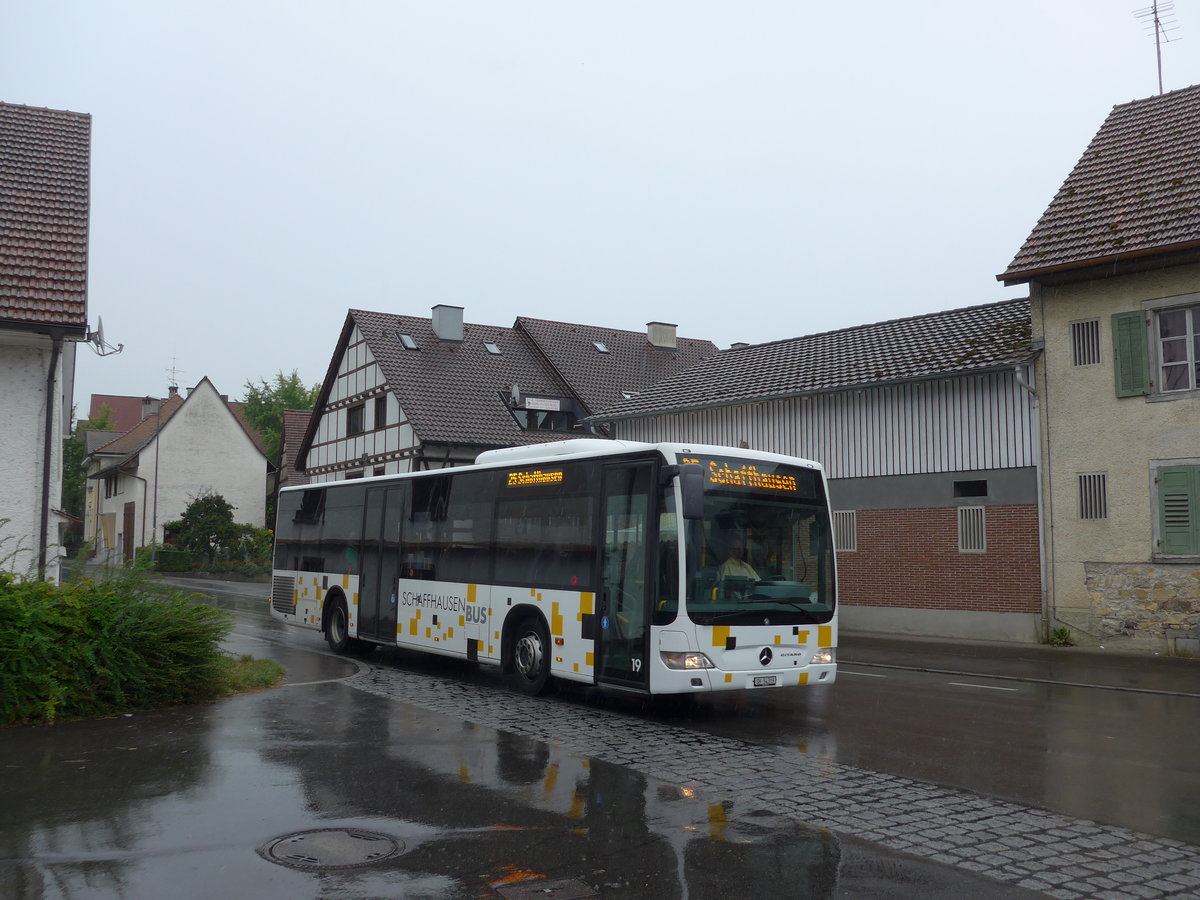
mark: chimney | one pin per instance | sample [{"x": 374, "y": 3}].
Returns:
[
  {"x": 172, "y": 390},
  {"x": 448, "y": 323},
  {"x": 661, "y": 335},
  {"x": 149, "y": 407}
]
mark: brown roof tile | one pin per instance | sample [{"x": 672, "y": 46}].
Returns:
[
  {"x": 630, "y": 364},
  {"x": 44, "y": 190},
  {"x": 977, "y": 338},
  {"x": 1135, "y": 191},
  {"x": 451, "y": 392}
]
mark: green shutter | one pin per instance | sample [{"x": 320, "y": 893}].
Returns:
[
  {"x": 1129, "y": 354},
  {"x": 1179, "y": 510}
]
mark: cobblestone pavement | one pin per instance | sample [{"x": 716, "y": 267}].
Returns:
[{"x": 1060, "y": 856}]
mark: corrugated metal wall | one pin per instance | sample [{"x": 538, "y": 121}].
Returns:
[{"x": 950, "y": 425}]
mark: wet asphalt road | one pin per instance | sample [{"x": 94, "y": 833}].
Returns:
[{"x": 191, "y": 802}]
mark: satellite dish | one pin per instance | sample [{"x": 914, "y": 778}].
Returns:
[
  {"x": 515, "y": 396},
  {"x": 96, "y": 339}
]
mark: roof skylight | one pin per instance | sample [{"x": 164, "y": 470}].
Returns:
[
  {"x": 406, "y": 340},
  {"x": 491, "y": 347},
  {"x": 599, "y": 346}
]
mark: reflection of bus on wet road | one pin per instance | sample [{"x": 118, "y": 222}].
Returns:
[{"x": 660, "y": 568}]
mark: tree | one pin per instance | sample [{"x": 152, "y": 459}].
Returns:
[
  {"x": 265, "y": 403},
  {"x": 206, "y": 526},
  {"x": 74, "y": 480}
]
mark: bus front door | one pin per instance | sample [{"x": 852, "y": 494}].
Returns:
[
  {"x": 624, "y": 598},
  {"x": 381, "y": 563}
]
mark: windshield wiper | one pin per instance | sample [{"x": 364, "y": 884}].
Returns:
[{"x": 811, "y": 617}]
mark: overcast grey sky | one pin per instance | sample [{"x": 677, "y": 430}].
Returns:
[{"x": 748, "y": 170}]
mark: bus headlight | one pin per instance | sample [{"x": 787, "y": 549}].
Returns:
[
  {"x": 686, "y": 660},
  {"x": 823, "y": 657}
]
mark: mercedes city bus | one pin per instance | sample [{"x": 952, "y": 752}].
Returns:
[{"x": 657, "y": 568}]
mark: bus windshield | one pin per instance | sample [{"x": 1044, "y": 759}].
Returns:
[{"x": 762, "y": 553}]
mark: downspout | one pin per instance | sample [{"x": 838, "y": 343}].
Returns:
[
  {"x": 56, "y": 335},
  {"x": 1043, "y": 545}
]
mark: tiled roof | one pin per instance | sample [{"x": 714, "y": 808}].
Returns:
[
  {"x": 125, "y": 411},
  {"x": 295, "y": 424},
  {"x": 1135, "y": 191},
  {"x": 140, "y": 435},
  {"x": 977, "y": 338},
  {"x": 631, "y": 364},
  {"x": 44, "y": 216},
  {"x": 451, "y": 392}
]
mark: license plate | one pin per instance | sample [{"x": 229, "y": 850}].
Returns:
[{"x": 764, "y": 680}]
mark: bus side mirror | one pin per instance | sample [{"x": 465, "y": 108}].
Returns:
[{"x": 691, "y": 483}]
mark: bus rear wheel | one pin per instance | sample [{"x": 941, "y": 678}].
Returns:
[
  {"x": 337, "y": 627},
  {"x": 531, "y": 656}
]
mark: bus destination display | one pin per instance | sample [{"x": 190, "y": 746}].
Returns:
[
  {"x": 537, "y": 476},
  {"x": 739, "y": 473}
]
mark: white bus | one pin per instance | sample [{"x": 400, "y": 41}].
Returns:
[{"x": 656, "y": 568}]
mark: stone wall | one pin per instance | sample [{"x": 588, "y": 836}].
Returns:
[{"x": 1146, "y": 602}]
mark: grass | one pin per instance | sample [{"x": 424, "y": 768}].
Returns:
[
  {"x": 1061, "y": 637},
  {"x": 244, "y": 674}
]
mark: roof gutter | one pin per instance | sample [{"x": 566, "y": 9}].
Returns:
[
  {"x": 1025, "y": 275},
  {"x": 862, "y": 386}
]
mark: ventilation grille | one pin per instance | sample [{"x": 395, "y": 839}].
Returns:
[
  {"x": 845, "y": 530},
  {"x": 971, "y": 530},
  {"x": 1093, "y": 496},
  {"x": 1085, "y": 342},
  {"x": 283, "y": 594}
]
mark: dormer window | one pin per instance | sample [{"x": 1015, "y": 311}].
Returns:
[
  {"x": 491, "y": 348},
  {"x": 406, "y": 341},
  {"x": 600, "y": 348}
]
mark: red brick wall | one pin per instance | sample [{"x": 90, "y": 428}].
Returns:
[{"x": 910, "y": 558}]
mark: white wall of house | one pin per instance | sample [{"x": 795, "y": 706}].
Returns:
[
  {"x": 387, "y": 446},
  {"x": 202, "y": 449},
  {"x": 24, "y": 361}
]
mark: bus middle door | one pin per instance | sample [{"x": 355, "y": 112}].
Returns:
[
  {"x": 625, "y": 556},
  {"x": 381, "y": 562}
]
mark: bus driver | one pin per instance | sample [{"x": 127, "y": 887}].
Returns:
[{"x": 735, "y": 566}]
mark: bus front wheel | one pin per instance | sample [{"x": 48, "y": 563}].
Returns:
[
  {"x": 531, "y": 656},
  {"x": 337, "y": 627}
]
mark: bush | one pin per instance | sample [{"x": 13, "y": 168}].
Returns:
[{"x": 91, "y": 649}]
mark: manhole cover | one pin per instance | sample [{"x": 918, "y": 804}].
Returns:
[{"x": 331, "y": 848}]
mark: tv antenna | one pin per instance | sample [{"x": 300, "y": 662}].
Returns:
[
  {"x": 1157, "y": 19},
  {"x": 98, "y": 344},
  {"x": 174, "y": 372}
]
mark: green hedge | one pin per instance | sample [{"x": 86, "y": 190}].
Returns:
[{"x": 98, "y": 648}]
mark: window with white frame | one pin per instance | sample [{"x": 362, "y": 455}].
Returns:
[
  {"x": 1178, "y": 334},
  {"x": 1085, "y": 343},
  {"x": 972, "y": 532},
  {"x": 1093, "y": 495},
  {"x": 845, "y": 529}
]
